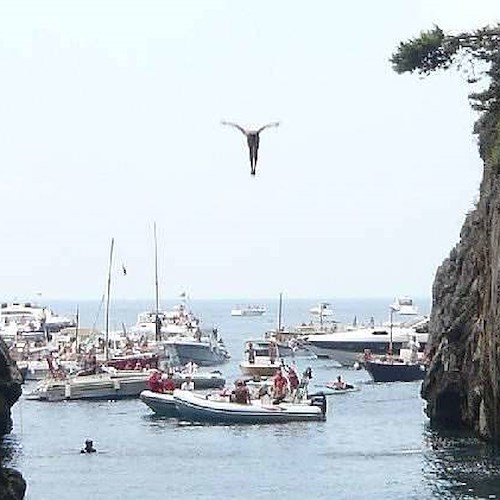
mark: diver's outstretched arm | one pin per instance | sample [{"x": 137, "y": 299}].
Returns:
[
  {"x": 235, "y": 125},
  {"x": 273, "y": 124}
]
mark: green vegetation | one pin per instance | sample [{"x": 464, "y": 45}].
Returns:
[{"x": 475, "y": 54}]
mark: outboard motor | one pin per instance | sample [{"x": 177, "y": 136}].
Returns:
[{"x": 319, "y": 400}]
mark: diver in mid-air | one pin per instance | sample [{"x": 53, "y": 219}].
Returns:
[{"x": 252, "y": 141}]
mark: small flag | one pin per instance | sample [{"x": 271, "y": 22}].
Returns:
[{"x": 182, "y": 295}]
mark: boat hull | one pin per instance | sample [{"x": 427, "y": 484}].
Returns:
[
  {"x": 162, "y": 404},
  {"x": 197, "y": 352},
  {"x": 259, "y": 369},
  {"x": 395, "y": 372},
  {"x": 192, "y": 408},
  {"x": 93, "y": 387}
]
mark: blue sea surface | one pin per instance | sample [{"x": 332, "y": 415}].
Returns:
[{"x": 375, "y": 443}]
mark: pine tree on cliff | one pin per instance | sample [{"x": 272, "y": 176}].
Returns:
[{"x": 475, "y": 54}]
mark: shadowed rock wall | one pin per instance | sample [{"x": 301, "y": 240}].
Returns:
[
  {"x": 462, "y": 384},
  {"x": 12, "y": 484}
]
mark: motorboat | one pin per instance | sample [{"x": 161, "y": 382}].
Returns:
[
  {"x": 261, "y": 367},
  {"x": 388, "y": 369},
  {"x": 205, "y": 348},
  {"x": 29, "y": 321},
  {"x": 346, "y": 347},
  {"x": 108, "y": 386},
  {"x": 323, "y": 309},
  {"x": 161, "y": 403},
  {"x": 248, "y": 310},
  {"x": 192, "y": 407}
]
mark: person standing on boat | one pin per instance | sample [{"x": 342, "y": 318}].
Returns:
[
  {"x": 251, "y": 353},
  {"x": 280, "y": 386},
  {"x": 414, "y": 346},
  {"x": 273, "y": 351},
  {"x": 294, "y": 381},
  {"x": 188, "y": 384}
]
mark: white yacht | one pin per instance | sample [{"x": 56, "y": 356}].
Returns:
[
  {"x": 345, "y": 346},
  {"x": 248, "y": 310},
  {"x": 322, "y": 309}
]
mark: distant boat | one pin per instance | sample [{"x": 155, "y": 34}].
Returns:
[
  {"x": 248, "y": 310},
  {"x": 322, "y": 309}
]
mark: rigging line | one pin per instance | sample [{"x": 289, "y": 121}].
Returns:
[{"x": 99, "y": 309}]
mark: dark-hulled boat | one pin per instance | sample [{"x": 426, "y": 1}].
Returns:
[
  {"x": 162, "y": 404},
  {"x": 394, "y": 370}
]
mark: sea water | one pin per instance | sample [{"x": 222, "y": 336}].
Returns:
[{"x": 375, "y": 443}]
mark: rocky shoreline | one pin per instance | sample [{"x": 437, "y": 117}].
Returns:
[{"x": 12, "y": 484}]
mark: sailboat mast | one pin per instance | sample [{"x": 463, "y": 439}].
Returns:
[
  {"x": 279, "y": 312},
  {"x": 107, "y": 298},
  {"x": 77, "y": 327},
  {"x": 157, "y": 302}
]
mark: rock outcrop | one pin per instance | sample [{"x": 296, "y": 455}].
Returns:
[
  {"x": 462, "y": 385},
  {"x": 12, "y": 484}
]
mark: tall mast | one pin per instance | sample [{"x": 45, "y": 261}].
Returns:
[
  {"x": 77, "y": 327},
  {"x": 279, "y": 311},
  {"x": 107, "y": 298},
  {"x": 157, "y": 302}
]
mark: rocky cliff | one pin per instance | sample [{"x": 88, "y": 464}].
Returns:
[
  {"x": 462, "y": 386},
  {"x": 12, "y": 485}
]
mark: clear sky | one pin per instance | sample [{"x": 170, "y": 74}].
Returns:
[{"x": 110, "y": 120}]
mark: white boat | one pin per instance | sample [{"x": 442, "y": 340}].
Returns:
[
  {"x": 322, "y": 309},
  {"x": 262, "y": 367},
  {"x": 192, "y": 407},
  {"x": 112, "y": 385},
  {"x": 30, "y": 321},
  {"x": 248, "y": 310},
  {"x": 346, "y": 347}
]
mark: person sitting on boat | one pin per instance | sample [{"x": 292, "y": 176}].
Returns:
[
  {"x": 190, "y": 368},
  {"x": 168, "y": 383},
  {"x": 154, "y": 381},
  {"x": 251, "y": 353},
  {"x": 188, "y": 384},
  {"x": 339, "y": 383},
  {"x": 280, "y": 386},
  {"x": 241, "y": 394},
  {"x": 273, "y": 351},
  {"x": 89, "y": 447}
]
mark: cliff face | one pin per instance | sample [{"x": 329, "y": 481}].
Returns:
[
  {"x": 12, "y": 485},
  {"x": 462, "y": 384},
  {"x": 10, "y": 388}
]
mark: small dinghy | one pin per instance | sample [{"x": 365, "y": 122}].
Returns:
[
  {"x": 331, "y": 390},
  {"x": 162, "y": 404},
  {"x": 193, "y": 407}
]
